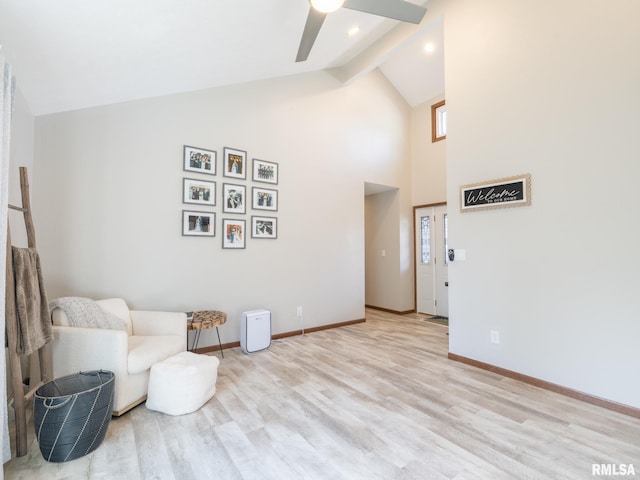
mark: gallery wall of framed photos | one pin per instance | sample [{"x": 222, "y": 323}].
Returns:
[{"x": 206, "y": 203}]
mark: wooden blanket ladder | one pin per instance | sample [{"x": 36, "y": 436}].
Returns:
[{"x": 20, "y": 398}]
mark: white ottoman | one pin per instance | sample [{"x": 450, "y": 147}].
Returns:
[{"x": 182, "y": 383}]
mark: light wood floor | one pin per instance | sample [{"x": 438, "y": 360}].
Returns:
[{"x": 378, "y": 400}]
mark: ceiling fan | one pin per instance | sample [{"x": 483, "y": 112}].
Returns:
[{"x": 318, "y": 10}]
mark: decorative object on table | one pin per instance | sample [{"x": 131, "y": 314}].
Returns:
[
  {"x": 198, "y": 224},
  {"x": 255, "y": 330},
  {"x": 265, "y": 199},
  {"x": 233, "y": 233},
  {"x": 199, "y": 160},
  {"x": 183, "y": 383},
  {"x": 198, "y": 191},
  {"x": 203, "y": 320},
  {"x": 264, "y": 227},
  {"x": 234, "y": 163},
  {"x": 72, "y": 414},
  {"x": 233, "y": 198},
  {"x": 500, "y": 193},
  {"x": 266, "y": 172}
]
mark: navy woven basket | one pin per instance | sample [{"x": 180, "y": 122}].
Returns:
[{"x": 72, "y": 414}]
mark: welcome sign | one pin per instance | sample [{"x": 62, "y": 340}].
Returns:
[{"x": 501, "y": 193}]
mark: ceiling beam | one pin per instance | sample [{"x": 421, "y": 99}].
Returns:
[{"x": 382, "y": 50}]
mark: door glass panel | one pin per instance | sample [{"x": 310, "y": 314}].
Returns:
[
  {"x": 445, "y": 223},
  {"x": 425, "y": 239}
]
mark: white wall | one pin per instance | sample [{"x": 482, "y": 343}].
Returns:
[
  {"x": 429, "y": 178},
  {"x": 108, "y": 198},
  {"x": 552, "y": 89}
]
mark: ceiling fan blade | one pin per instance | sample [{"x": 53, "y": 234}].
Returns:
[
  {"x": 315, "y": 20},
  {"x": 396, "y": 9}
]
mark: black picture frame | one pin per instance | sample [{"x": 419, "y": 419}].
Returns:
[
  {"x": 200, "y": 192},
  {"x": 198, "y": 224},
  {"x": 265, "y": 172},
  {"x": 234, "y": 163},
  {"x": 233, "y": 233},
  {"x": 234, "y": 198},
  {"x": 264, "y": 199},
  {"x": 264, "y": 227},
  {"x": 199, "y": 160}
]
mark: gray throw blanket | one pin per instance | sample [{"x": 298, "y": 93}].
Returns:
[
  {"x": 84, "y": 312},
  {"x": 34, "y": 322}
]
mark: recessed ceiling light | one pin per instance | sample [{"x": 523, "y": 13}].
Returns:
[
  {"x": 429, "y": 47},
  {"x": 353, "y": 30}
]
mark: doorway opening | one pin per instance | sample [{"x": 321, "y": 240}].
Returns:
[{"x": 380, "y": 245}]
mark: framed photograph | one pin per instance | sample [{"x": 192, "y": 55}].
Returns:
[
  {"x": 500, "y": 193},
  {"x": 266, "y": 172},
  {"x": 233, "y": 198},
  {"x": 199, "y": 160},
  {"x": 233, "y": 234},
  {"x": 234, "y": 163},
  {"x": 198, "y": 224},
  {"x": 199, "y": 191},
  {"x": 264, "y": 227},
  {"x": 265, "y": 199}
]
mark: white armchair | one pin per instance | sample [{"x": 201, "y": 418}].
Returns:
[{"x": 150, "y": 337}]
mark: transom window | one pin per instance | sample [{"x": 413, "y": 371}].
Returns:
[{"x": 438, "y": 121}]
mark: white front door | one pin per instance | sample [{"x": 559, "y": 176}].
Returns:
[{"x": 431, "y": 261}]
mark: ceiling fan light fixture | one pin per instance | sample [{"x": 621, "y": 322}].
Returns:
[{"x": 326, "y": 6}]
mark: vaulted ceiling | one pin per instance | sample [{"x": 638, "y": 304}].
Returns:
[{"x": 70, "y": 54}]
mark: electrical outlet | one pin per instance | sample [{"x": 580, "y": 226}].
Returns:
[
  {"x": 495, "y": 336},
  {"x": 299, "y": 311}
]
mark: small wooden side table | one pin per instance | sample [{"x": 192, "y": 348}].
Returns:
[{"x": 203, "y": 320}]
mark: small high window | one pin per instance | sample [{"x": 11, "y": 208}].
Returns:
[{"x": 438, "y": 121}]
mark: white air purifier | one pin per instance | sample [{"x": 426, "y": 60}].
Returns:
[{"x": 255, "y": 330}]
